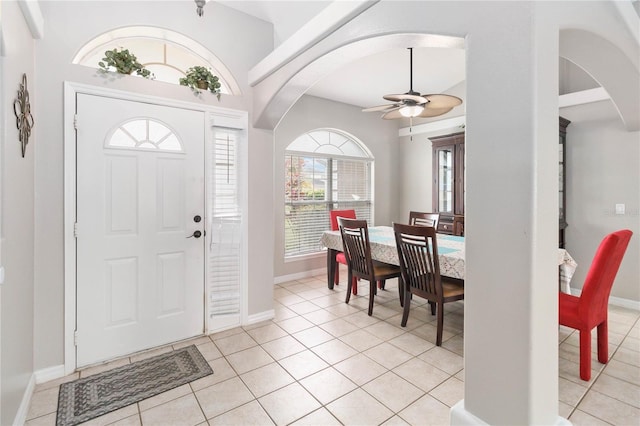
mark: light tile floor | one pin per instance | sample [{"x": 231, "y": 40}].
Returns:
[{"x": 322, "y": 362}]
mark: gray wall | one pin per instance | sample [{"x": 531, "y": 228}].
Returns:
[
  {"x": 16, "y": 344},
  {"x": 603, "y": 164},
  {"x": 416, "y": 188},
  {"x": 416, "y": 178},
  {"x": 380, "y": 137},
  {"x": 68, "y": 26}
]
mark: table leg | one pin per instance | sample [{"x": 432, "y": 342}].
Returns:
[{"x": 331, "y": 267}]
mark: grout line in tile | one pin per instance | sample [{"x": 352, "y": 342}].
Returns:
[
  {"x": 456, "y": 312},
  {"x": 600, "y": 372}
]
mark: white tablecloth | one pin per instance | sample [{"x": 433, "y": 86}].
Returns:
[{"x": 450, "y": 252}]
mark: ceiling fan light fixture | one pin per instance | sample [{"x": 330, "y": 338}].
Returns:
[
  {"x": 413, "y": 104},
  {"x": 411, "y": 110},
  {"x": 200, "y": 6}
]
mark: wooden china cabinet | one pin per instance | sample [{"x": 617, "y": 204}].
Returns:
[
  {"x": 448, "y": 179},
  {"x": 562, "y": 151}
]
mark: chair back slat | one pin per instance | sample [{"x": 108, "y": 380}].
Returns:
[
  {"x": 424, "y": 219},
  {"x": 356, "y": 247},
  {"x": 418, "y": 256}
]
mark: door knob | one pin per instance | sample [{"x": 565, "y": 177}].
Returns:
[
  {"x": 197, "y": 218},
  {"x": 196, "y": 234}
]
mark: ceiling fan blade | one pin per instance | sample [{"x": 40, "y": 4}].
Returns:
[
  {"x": 406, "y": 97},
  {"x": 433, "y": 112},
  {"x": 442, "y": 101},
  {"x": 381, "y": 107}
]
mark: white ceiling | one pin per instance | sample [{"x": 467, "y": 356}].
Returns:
[
  {"x": 287, "y": 16},
  {"x": 363, "y": 82}
]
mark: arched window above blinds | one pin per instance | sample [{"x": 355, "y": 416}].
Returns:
[
  {"x": 329, "y": 142},
  {"x": 325, "y": 169},
  {"x": 167, "y": 54}
]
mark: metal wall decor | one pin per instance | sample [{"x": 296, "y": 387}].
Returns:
[{"x": 24, "y": 119}]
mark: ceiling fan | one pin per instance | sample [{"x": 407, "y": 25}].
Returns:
[{"x": 413, "y": 104}]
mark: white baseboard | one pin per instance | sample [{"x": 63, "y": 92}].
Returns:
[
  {"x": 259, "y": 317},
  {"x": 615, "y": 301},
  {"x": 624, "y": 303},
  {"x": 459, "y": 416},
  {"x": 48, "y": 374},
  {"x": 304, "y": 274},
  {"x": 23, "y": 410}
]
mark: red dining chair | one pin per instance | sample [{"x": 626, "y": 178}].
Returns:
[
  {"x": 588, "y": 311},
  {"x": 333, "y": 217}
]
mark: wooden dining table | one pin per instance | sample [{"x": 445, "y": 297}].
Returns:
[{"x": 450, "y": 254}]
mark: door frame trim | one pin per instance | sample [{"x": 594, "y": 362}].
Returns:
[{"x": 216, "y": 116}]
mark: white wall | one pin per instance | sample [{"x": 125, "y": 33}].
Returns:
[
  {"x": 603, "y": 169},
  {"x": 68, "y": 25},
  {"x": 287, "y": 16},
  {"x": 415, "y": 189},
  {"x": 380, "y": 136},
  {"x": 17, "y": 238}
]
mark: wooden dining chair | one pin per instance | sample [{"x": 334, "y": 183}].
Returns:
[
  {"x": 424, "y": 219},
  {"x": 333, "y": 217},
  {"x": 589, "y": 310},
  {"x": 458, "y": 225},
  {"x": 420, "y": 267},
  {"x": 357, "y": 250}
]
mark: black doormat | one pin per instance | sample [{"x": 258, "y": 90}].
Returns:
[{"x": 90, "y": 397}]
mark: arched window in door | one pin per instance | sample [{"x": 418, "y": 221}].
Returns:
[{"x": 144, "y": 134}]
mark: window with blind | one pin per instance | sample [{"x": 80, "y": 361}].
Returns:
[
  {"x": 324, "y": 170},
  {"x": 225, "y": 225}
]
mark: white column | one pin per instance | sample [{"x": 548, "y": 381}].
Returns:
[{"x": 511, "y": 312}]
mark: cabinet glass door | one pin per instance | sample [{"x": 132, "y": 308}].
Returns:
[
  {"x": 561, "y": 177},
  {"x": 445, "y": 180}
]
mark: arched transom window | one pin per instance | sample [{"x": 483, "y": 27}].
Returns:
[
  {"x": 325, "y": 169},
  {"x": 165, "y": 53}
]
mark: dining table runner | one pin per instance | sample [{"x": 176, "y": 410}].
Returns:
[{"x": 450, "y": 252}]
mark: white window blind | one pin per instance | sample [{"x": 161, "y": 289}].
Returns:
[
  {"x": 324, "y": 179},
  {"x": 225, "y": 227}
]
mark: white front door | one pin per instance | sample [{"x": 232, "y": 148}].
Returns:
[{"x": 140, "y": 195}]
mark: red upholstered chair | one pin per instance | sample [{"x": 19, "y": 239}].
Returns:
[
  {"x": 333, "y": 216},
  {"x": 588, "y": 311}
]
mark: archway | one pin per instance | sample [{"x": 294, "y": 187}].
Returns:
[
  {"x": 292, "y": 86},
  {"x": 610, "y": 67},
  {"x": 512, "y": 108}
]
